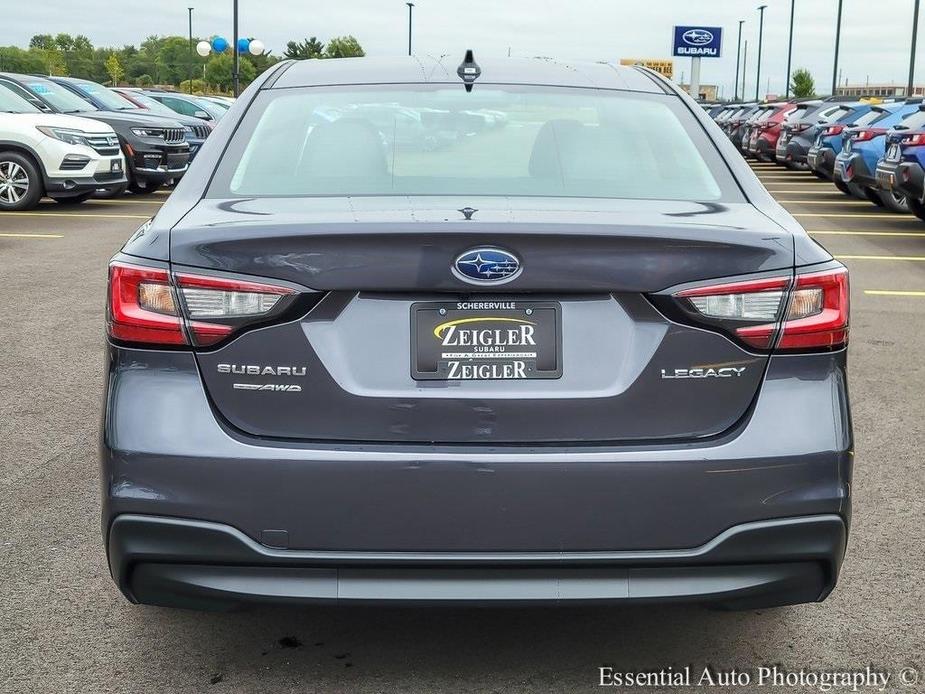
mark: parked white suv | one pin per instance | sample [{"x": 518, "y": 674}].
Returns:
[{"x": 63, "y": 157}]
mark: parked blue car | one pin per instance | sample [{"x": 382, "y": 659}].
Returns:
[
  {"x": 902, "y": 168},
  {"x": 828, "y": 142},
  {"x": 862, "y": 148}
]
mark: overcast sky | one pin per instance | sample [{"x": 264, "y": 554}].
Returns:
[{"x": 876, "y": 34}]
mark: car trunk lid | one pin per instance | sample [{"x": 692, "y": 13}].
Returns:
[{"x": 620, "y": 370}]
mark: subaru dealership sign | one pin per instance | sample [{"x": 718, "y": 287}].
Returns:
[{"x": 697, "y": 42}]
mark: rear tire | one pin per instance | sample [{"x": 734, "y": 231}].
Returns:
[
  {"x": 75, "y": 199},
  {"x": 874, "y": 196},
  {"x": 857, "y": 191},
  {"x": 916, "y": 208},
  {"x": 841, "y": 185},
  {"x": 21, "y": 185},
  {"x": 894, "y": 202}
]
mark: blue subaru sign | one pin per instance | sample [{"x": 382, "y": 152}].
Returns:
[{"x": 697, "y": 42}]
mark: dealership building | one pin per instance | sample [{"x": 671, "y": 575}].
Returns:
[{"x": 878, "y": 90}]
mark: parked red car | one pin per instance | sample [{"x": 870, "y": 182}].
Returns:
[{"x": 766, "y": 128}]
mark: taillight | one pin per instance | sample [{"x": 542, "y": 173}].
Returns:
[
  {"x": 216, "y": 306},
  {"x": 142, "y": 306},
  {"x": 809, "y": 312},
  {"x": 750, "y": 309},
  {"x": 833, "y": 130},
  {"x": 817, "y": 316},
  {"x": 799, "y": 127},
  {"x": 914, "y": 140},
  {"x": 868, "y": 134},
  {"x": 147, "y": 307}
]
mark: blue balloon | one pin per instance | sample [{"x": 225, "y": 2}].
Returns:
[
  {"x": 219, "y": 45},
  {"x": 243, "y": 44}
]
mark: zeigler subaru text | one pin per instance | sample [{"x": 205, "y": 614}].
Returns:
[{"x": 542, "y": 336}]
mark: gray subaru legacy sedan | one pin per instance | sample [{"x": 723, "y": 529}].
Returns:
[{"x": 490, "y": 332}]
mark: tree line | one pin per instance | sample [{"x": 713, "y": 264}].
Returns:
[{"x": 159, "y": 60}]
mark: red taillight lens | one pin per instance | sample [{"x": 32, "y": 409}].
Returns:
[
  {"x": 809, "y": 312},
  {"x": 142, "y": 307},
  {"x": 145, "y": 307},
  {"x": 834, "y": 130},
  {"x": 817, "y": 316},
  {"x": 868, "y": 134},
  {"x": 914, "y": 140}
]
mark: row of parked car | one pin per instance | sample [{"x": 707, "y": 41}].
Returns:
[
  {"x": 71, "y": 139},
  {"x": 870, "y": 149}
]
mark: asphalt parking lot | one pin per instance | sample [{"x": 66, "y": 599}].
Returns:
[{"x": 64, "y": 626}]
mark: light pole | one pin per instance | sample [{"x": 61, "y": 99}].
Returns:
[
  {"x": 189, "y": 72},
  {"x": 915, "y": 34},
  {"x": 410, "y": 9},
  {"x": 744, "y": 67},
  {"x": 234, "y": 47},
  {"x": 837, "y": 41},
  {"x": 793, "y": 4},
  {"x": 738, "y": 58},
  {"x": 761, "y": 10}
]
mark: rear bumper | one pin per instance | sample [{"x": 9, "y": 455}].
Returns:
[
  {"x": 165, "y": 453},
  {"x": 794, "y": 151},
  {"x": 184, "y": 563},
  {"x": 853, "y": 169},
  {"x": 907, "y": 178},
  {"x": 821, "y": 159}
]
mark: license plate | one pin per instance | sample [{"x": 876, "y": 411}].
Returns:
[
  {"x": 885, "y": 180},
  {"x": 486, "y": 340},
  {"x": 893, "y": 153},
  {"x": 115, "y": 165}
]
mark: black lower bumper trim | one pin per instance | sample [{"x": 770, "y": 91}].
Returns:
[
  {"x": 193, "y": 564},
  {"x": 75, "y": 186}
]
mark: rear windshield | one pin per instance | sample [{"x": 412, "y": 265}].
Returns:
[
  {"x": 839, "y": 113},
  {"x": 914, "y": 121},
  {"x": 869, "y": 117},
  {"x": 797, "y": 113},
  {"x": 497, "y": 140}
]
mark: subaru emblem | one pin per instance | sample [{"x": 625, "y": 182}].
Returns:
[
  {"x": 486, "y": 266},
  {"x": 697, "y": 37}
]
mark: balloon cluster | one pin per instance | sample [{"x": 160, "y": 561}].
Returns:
[{"x": 220, "y": 45}]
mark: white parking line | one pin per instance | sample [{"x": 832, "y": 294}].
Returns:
[
  {"x": 11, "y": 235},
  {"x": 891, "y": 292}
]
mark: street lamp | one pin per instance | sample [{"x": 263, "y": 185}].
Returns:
[
  {"x": 790, "y": 47},
  {"x": 915, "y": 33},
  {"x": 410, "y": 8},
  {"x": 761, "y": 10},
  {"x": 189, "y": 72},
  {"x": 837, "y": 41},
  {"x": 738, "y": 58}
]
